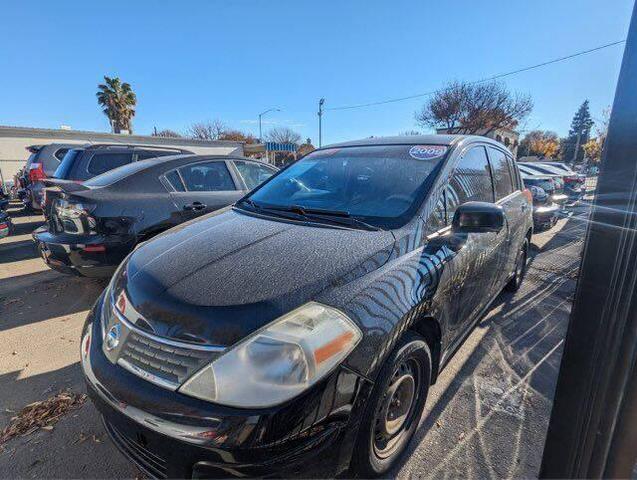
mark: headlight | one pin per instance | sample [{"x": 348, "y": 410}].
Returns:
[{"x": 278, "y": 362}]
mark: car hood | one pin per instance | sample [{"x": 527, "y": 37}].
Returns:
[{"x": 219, "y": 278}]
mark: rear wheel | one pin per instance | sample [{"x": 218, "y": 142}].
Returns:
[
  {"x": 520, "y": 268},
  {"x": 394, "y": 407}
]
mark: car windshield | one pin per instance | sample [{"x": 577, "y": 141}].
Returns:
[
  {"x": 380, "y": 185},
  {"x": 560, "y": 167},
  {"x": 542, "y": 168},
  {"x": 64, "y": 168}
]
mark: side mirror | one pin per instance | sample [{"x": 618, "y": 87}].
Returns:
[{"x": 478, "y": 217}]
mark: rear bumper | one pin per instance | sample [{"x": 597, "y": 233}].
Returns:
[
  {"x": 90, "y": 256},
  {"x": 170, "y": 435},
  {"x": 545, "y": 216}
]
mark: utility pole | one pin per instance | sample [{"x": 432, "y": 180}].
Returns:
[
  {"x": 260, "y": 115},
  {"x": 576, "y": 147},
  {"x": 320, "y": 116}
]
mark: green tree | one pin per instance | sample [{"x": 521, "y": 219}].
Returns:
[
  {"x": 118, "y": 102},
  {"x": 578, "y": 135}
]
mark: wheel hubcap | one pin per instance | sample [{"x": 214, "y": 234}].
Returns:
[
  {"x": 395, "y": 413},
  {"x": 401, "y": 396}
]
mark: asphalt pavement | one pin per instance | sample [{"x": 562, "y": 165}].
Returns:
[{"x": 486, "y": 416}]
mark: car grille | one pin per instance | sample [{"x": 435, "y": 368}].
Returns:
[
  {"x": 170, "y": 364},
  {"x": 150, "y": 463}
]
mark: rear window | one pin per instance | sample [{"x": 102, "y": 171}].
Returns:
[
  {"x": 103, "y": 162},
  {"x": 144, "y": 154},
  {"x": 116, "y": 174},
  {"x": 64, "y": 168}
]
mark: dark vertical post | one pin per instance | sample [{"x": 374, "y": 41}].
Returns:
[{"x": 586, "y": 436}]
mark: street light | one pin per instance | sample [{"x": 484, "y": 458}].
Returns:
[
  {"x": 320, "y": 115},
  {"x": 263, "y": 113}
]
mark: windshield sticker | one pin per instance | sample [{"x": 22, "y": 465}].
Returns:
[{"x": 427, "y": 152}]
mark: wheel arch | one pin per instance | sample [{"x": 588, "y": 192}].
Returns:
[{"x": 429, "y": 328}]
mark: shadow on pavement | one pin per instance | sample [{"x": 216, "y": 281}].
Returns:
[
  {"x": 491, "y": 418},
  {"x": 45, "y": 295}
]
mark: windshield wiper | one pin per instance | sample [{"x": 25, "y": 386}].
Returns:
[
  {"x": 273, "y": 210},
  {"x": 339, "y": 217}
]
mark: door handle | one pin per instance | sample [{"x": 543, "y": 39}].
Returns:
[{"x": 195, "y": 206}]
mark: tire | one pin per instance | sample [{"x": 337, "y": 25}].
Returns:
[
  {"x": 520, "y": 268},
  {"x": 387, "y": 425}
]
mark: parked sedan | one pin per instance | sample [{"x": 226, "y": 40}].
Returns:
[
  {"x": 573, "y": 183},
  {"x": 298, "y": 332},
  {"x": 92, "y": 226}
]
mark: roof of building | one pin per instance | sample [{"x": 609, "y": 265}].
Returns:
[{"x": 102, "y": 137}]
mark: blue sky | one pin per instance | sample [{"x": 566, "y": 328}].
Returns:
[{"x": 193, "y": 61}]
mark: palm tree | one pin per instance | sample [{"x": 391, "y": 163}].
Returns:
[{"x": 118, "y": 103}]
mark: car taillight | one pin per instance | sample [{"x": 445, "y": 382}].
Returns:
[
  {"x": 36, "y": 173},
  {"x": 74, "y": 217},
  {"x": 528, "y": 194}
]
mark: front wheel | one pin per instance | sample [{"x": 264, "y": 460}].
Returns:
[
  {"x": 394, "y": 407},
  {"x": 520, "y": 268}
]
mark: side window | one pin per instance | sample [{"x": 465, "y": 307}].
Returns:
[
  {"x": 253, "y": 173},
  {"x": 103, "y": 162},
  {"x": 174, "y": 180},
  {"x": 517, "y": 181},
  {"x": 501, "y": 173},
  {"x": 60, "y": 153},
  {"x": 144, "y": 154},
  {"x": 207, "y": 177},
  {"x": 471, "y": 181}
]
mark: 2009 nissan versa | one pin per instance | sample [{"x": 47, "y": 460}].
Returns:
[{"x": 300, "y": 330}]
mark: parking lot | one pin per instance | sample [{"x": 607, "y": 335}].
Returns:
[{"x": 486, "y": 416}]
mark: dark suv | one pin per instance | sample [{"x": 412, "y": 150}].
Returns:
[
  {"x": 299, "y": 331},
  {"x": 86, "y": 162}
]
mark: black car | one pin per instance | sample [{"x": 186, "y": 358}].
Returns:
[
  {"x": 92, "y": 226},
  {"x": 298, "y": 332}
]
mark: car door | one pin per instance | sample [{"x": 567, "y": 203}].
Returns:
[
  {"x": 476, "y": 263},
  {"x": 508, "y": 194},
  {"x": 204, "y": 187}
]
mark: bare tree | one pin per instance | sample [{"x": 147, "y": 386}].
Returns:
[
  {"x": 238, "y": 136},
  {"x": 474, "y": 108},
  {"x": 283, "y": 135},
  {"x": 207, "y": 130},
  {"x": 167, "y": 133}
]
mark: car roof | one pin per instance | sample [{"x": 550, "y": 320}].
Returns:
[
  {"x": 168, "y": 162},
  {"x": 434, "y": 139}
]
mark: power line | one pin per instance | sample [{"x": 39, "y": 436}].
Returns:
[{"x": 488, "y": 79}]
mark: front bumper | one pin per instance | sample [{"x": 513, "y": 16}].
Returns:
[
  {"x": 168, "y": 434},
  {"x": 82, "y": 255}
]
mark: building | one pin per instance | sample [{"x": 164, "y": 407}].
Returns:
[
  {"x": 509, "y": 138},
  {"x": 14, "y": 140}
]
